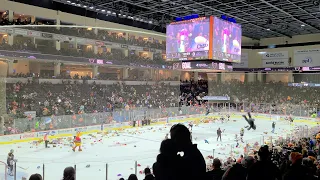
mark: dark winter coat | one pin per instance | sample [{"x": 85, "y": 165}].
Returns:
[
  {"x": 263, "y": 170},
  {"x": 236, "y": 172},
  {"x": 215, "y": 174}
]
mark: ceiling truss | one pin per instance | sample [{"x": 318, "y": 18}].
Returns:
[{"x": 259, "y": 18}]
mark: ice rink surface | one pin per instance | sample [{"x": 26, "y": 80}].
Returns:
[{"x": 119, "y": 152}]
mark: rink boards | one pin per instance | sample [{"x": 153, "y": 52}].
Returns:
[{"x": 34, "y": 136}]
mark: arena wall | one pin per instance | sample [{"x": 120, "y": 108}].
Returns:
[{"x": 35, "y": 136}]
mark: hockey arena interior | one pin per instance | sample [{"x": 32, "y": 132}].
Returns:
[{"x": 159, "y": 90}]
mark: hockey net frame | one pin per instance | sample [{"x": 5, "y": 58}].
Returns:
[{"x": 5, "y": 170}]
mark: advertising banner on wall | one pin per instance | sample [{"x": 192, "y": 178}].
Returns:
[
  {"x": 275, "y": 59},
  {"x": 244, "y": 61},
  {"x": 306, "y": 57},
  {"x": 275, "y": 55},
  {"x": 275, "y": 63}
]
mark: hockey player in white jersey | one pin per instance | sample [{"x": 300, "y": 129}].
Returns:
[{"x": 10, "y": 162}]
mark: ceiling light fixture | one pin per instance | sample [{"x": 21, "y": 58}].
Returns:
[
  {"x": 73, "y": 3},
  {"x": 91, "y": 7},
  {"x": 114, "y": 13},
  {"x": 103, "y": 10},
  {"x": 97, "y": 9},
  {"x": 302, "y": 25},
  {"x": 109, "y": 12},
  {"x": 85, "y": 6},
  {"x": 68, "y": 1},
  {"x": 268, "y": 29}
]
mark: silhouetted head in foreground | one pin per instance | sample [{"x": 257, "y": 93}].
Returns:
[
  {"x": 132, "y": 177},
  {"x": 35, "y": 177},
  {"x": 180, "y": 134},
  {"x": 69, "y": 173}
]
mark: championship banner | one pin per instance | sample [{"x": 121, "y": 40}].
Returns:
[{"x": 306, "y": 58}]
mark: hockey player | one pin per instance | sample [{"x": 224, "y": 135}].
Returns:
[
  {"x": 45, "y": 139},
  {"x": 222, "y": 119},
  {"x": 241, "y": 134},
  {"x": 273, "y": 126},
  {"x": 190, "y": 126},
  {"x": 10, "y": 162},
  {"x": 237, "y": 140},
  {"x": 250, "y": 121},
  {"x": 167, "y": 136},
  {"x": 290, "y": 119},
  {"x": 219, "y": 132},
  {"x": 228, "y": 117},
  {"x": 77, "y": 142}
]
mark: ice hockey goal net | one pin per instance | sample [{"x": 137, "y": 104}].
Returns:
[{"x": 3, "y": 171}]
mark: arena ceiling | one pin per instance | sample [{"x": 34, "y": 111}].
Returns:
[{"x": 259, "y": 18}]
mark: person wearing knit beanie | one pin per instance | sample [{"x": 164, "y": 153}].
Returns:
[
  {"x": 296, "y": 171},
  {"x": 295, "y": 157}
]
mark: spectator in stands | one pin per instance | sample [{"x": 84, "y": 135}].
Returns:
[
  {"x": 133, "y": 177},
  {"x": 217, "y": 172},
  {"x": 148, "y": 175},
  {"x": 168, "y": 164},
  {"x": 69, "y": 173},
  {"x": 192, "y": 157},
  {"x": 35, "y": 177},
  {"x": 239, "y": 170},
  {"x": 264, "y": 169},
  {"x": 296, "y": 170}
]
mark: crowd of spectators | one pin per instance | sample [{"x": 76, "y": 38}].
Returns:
[
  {"x": 271, "y": 92},
  {"x": 77, "y": 97},
  {"x": 116, "y": 56},
  {"x": 90, "y": 33},
  {"x": 74, "y": 97},
  {"x": 192, "y": 92},
  {"x": 100, "y": 76}
]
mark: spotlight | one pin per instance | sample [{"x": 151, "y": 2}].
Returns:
[
  {"x": 109, "y": 12},
  {"x": 114, "y": 13},
  {"x": 302, "y": 25},
  {"x": 85, "y": 6},
  {"x": 97, "y": 9},
  {"x": 91, "y": 7},
  {"x": 68, "y": 1},
  {"x": 103, "y": 10},
  {"x": 73, "y": 3},
  {"x": 150, "y": 22},
  {"x": 268, "y": 29}
]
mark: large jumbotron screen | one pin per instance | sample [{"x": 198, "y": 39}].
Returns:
[
  {"x": 226, "y": 41},
  {"x": 188, "y": 40},
  {"x": 204, "y": 38}
]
